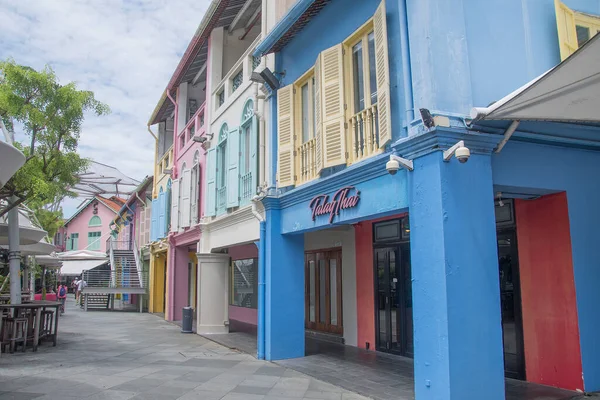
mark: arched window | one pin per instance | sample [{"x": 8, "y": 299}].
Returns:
[
  {"x": 195, "y": 187},
  {"x": 248, "y": 153},
  {"x": 222, "y": 168},
  {"x": 95, "y": 221}
]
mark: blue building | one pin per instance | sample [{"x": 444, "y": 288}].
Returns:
[{"x": 478, "y": 270}]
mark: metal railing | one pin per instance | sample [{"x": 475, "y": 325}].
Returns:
[
  {"x": 307, "y": 166},
  {"x": 194, "y": 127},
  {"x": 138, "y": 263},
  {"x": 246, "y": 189},
  {"x": 121, "y": 277},
  {"x": 222, "y": 198},
  {"x": 112, "y": 244},
  {"x": 364, "y": 134}
]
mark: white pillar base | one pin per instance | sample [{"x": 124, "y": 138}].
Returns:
[{"x": 213, "y": 293}]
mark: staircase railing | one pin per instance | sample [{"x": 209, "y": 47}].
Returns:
[
  {"x": 109, "y": 246},
  {"x": 138, "y": 263},
  {"x": 115, "y": 279}
]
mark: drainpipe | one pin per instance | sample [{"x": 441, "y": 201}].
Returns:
[
  {"x": 261, "y": 135},
  {"x": 260, "y": 347},
  {"x": 406, "y": 68},
  {"x": 175, "y": 133}
]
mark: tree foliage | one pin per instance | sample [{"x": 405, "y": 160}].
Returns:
[{"x": 51, "y": 116}]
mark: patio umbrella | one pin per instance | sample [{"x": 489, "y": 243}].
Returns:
[
  {"x": 29, "y": 233},
  {"x": 11, "y": 159}
]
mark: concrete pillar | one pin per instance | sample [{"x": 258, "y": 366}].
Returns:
[
  {"x": 213, "y": 293},
  {"x": 177, "y": 287},
  {"x": 182, "y": 109},
  {"x": 456, "y": 299},
  {"x": 284, "y": 294}
]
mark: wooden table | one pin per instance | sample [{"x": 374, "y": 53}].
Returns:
[{"x": 36, "y": 306}]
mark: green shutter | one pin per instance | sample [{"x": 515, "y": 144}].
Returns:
[
  {"x": 210, "y": 197},
  {"x": 254, "y": 154},
  {"x": 233, "y": 169}
]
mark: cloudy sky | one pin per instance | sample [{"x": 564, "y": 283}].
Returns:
[{"x": 124, "y": 51}]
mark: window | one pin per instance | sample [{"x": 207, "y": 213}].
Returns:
[
  {"x": 574, "y": 28},
  {"x": 57, "y": 239},
  {"x": 222, "y": 169},
  {"x": 220, "y": 98},
  {"x": 338, "y": 112},
  {"x": 182, "y": 141},
  {"x": 244, "y": 283},
  {"x": 72, "y": 242},
  {"x": 95, "y": 221},
  {"x": 94, "y": 240},
  {"x": 237, "y": 80},
  {"x": 195, "y": 186}
]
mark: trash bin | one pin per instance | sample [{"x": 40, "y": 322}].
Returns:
[{"x": 187, "y": 320}]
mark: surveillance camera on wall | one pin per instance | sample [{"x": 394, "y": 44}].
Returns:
[
  {"x": 459, "y": 150},
  {"x": 395, "y": 163}
]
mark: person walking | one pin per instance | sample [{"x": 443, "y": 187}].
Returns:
[
  {"x": 74, "y": 286},
  {"x": 81, "y": 284},
  {"x": 61, "y": 294}
]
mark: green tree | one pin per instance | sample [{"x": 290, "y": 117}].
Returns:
[{"x": 51, "y": 116}]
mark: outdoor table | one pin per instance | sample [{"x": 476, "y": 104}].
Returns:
[{"x": 38, "y": 307}]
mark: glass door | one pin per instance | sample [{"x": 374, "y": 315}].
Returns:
[
  {"x": 510, "y": 302},
  {"x": 323, "y": 291},
  {"x": 394, "y": 300}
]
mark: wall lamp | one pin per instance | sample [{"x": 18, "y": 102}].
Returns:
[
  {"x": 396, "y": 163},
  {"x": 459, "y": 150},
  {"x": 266, "y": 76}
]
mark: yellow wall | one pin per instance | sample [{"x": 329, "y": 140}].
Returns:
[{"x": 157, "y": 282}]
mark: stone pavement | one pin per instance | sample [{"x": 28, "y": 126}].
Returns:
[{"x": 104, "y": 355}]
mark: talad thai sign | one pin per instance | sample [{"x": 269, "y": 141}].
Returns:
[{"x": 346, "y": 197}]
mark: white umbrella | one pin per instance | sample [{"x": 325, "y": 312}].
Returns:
[
  {"x": 28, "y": 232},
  {"x": 11, "y": 159}
]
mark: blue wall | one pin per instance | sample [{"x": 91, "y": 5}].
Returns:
[
  {"x": 523, "y": 166},
  {"x": 338, "y": 20},
  {"x": 467, "y": 53}
]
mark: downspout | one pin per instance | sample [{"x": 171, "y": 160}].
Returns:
[
  {"x": 406, "y": 67},
  {"x": 260, "y": 346},
  {"x": 261, "y": 135},
  {"x": 175, "y": 133}
]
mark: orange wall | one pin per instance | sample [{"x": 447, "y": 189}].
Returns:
[{"x": 550, "y": 325}]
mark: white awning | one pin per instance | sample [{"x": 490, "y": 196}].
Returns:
[
  {"x": 569, "y": 93},
  {"x": 76, "y": 267}
]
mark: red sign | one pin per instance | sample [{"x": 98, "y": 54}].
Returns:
[{"x": 342, "y": 199}]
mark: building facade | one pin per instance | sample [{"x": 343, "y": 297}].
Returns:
[
  {"x": 478, "y": 270},
  {"x": 89, "y": 227}
]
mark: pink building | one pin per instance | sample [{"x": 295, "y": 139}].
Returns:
[{"x": 89, "y": 227}]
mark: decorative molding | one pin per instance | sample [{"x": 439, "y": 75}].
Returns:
[
  {"x": 227, "y": 220},
  {"x": 190, "y": 236},
  {"x": 441, "y": 139}
]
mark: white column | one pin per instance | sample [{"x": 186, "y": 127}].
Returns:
[
  {"x": 182, "y": 101},
  {"x": 213, "y": 293}
]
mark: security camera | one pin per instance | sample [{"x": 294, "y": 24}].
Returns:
[
  {"x": 459, "y": 150},
  {"x": 462, "y": 154},
  {"x": 395, "y": 163},
  {"x": 392, "y": 167}
]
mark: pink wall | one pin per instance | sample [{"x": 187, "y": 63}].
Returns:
[
  {"x": 243, "y": 314},
  {"x": 550, "y": 325},
  {"x": 79, "y": 224}
]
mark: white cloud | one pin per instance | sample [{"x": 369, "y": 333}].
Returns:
[{"x": 124, "y": 51}]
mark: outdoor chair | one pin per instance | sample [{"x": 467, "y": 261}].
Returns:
[
  {"x": 47, "y": 323},
  {"x": 14, "y": 332}
]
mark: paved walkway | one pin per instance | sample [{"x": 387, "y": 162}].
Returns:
[{"x": 104, "y": 355}]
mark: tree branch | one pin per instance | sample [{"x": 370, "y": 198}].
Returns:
[{"x": 11, "y": 206}]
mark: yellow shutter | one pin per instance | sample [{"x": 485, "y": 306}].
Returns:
[
  {"x": 567, "y": 33},
  {"x": 285, "y": 136},
  {"x": 332, "y": 104},
  {"x": 318, "y": 118},
  {"x": 383, "y": 76}
]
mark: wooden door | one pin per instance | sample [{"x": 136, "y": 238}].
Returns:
[{"x": 323, "y": 291}]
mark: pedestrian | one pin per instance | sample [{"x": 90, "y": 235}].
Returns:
[
  {"x": 74, "y": 285},
  {"x": 61, "y": 293},
  {"x": 81, "y": 284}
]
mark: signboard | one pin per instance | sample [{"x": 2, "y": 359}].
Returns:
[{"x": 346, "y": 197}]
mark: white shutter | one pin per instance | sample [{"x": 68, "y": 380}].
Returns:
[
  {"x": 285, "y": 136},
  {"x": 175, "y": 206},
  {"x": 185, "y": 190},
  {"x": 233, "y": 170},
  {"x": 383, "y": 75},
  {"x": 332, "y": 97},
  {"x": 567, "y": 31},
  {"x": 210, "y": 195}
]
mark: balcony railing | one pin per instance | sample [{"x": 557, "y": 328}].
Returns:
[
  {"x": 194, "y": 127},
  {"x": 307, "y": 167},
  {"x": 222, "y": 199},
  {"x": 364, "y": 134},
  {"x": 246, "y": 189},
  {"x": 118, "y": 244},
  {"x": 166, "y": 161},
  {"x": 237, "y": 77}
]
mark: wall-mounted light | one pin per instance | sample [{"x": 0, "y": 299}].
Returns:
[
  {"x": 202, "y": 139},
  {"x": 267, "y": 77},
  {"x": 167, "y": 171},
  {"x": 459, "y": 150}
]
